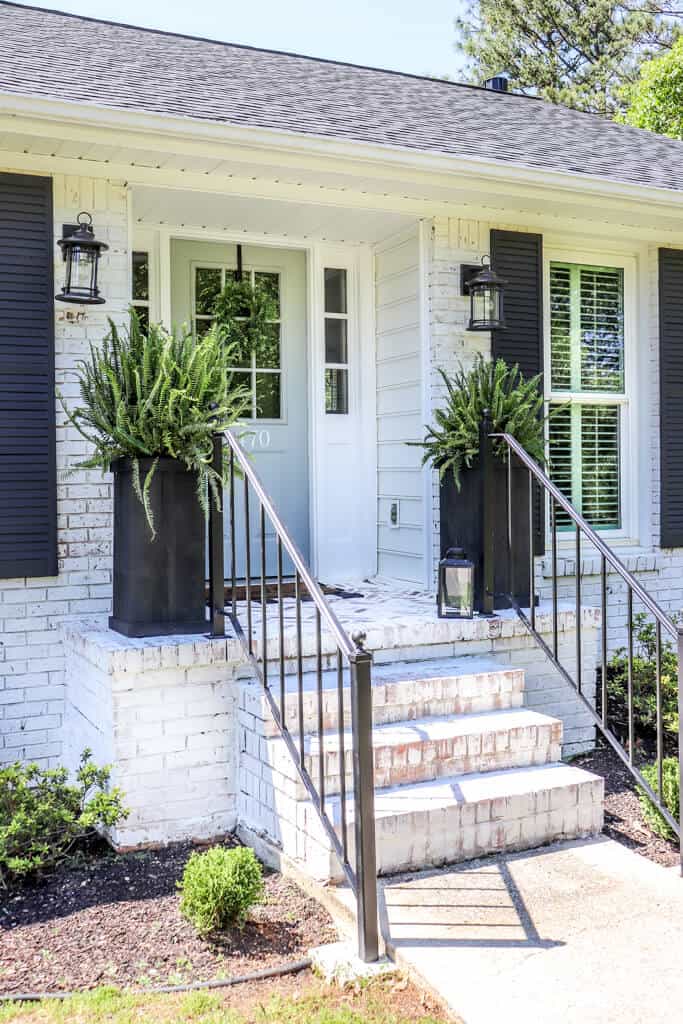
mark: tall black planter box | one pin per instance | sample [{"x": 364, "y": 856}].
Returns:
[
  {"x": 462, "y": 526},
  {"x": 158, "y": 584}
]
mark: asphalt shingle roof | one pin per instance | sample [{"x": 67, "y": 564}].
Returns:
[{"x": 53, "y": 55}]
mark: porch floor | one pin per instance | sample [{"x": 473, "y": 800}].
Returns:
[{"x": 393, "y": 616}]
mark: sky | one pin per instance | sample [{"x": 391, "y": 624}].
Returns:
[{"x": 399, "y": 34}]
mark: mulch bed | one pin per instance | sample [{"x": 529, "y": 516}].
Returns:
[
  {"x": 624, "y": 821},
  {"x": 116, "y": 921}
]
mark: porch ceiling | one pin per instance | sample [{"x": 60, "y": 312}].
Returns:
[{"x": 154, "y": 207}]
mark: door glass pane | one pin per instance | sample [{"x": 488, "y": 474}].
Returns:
[
  {"x": 207, "y": 288},
  {"x": 268, "y": 396},
  {"x": 336, "y": 350},
  {"x": 271, "y": 285},
  {"x": 268, "y": 349},
  {"x": 336, "y": 391},
  {"x": 335, "y": 291},
  {"x": 142, "y": 313},
  {"x": 141, "y": 276}
]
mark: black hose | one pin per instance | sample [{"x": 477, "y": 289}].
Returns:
[{"x": 293, "y": 967}]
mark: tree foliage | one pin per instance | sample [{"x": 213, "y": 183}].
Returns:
[
  {"x": 656, "y": 101},
  {"x": 152, "y": 394},
  {"x": 581, "y": 53}
]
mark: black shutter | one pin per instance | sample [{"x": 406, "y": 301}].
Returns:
[
  {"x": 518, "y": 257},
  {"x": 671, "y": 396},
  {"x": 28, "y": 487}
]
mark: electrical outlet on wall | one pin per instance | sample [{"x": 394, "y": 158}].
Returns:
[{"x": 394, "y": 513}]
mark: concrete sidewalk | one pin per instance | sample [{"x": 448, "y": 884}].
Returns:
[{"x": 577, "y": 933}]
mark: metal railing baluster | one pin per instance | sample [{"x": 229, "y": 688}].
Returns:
[
  {"x": 553, "y": 549},
  {"x": 233, "y": 542},
  {"x": 577, "y": 578},
  {"x": 660, "y": 716},
  {"x": 364, "y": 804},
  {"x": 264, "y": 603},
  {"x": 342, "y": 752},
  {"x": 281, "y": 626},
  {"x": 603, "y": 644},
  {"x": 532, "y": 580},
  {"x": 299, "y": 668},
  {"x": 629, "y": 615},
  {"x": 319, "y": 688},
  {"x": 247, "y": 560}
]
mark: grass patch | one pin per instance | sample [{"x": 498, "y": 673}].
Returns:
[{"x": 383, "y": 1001}]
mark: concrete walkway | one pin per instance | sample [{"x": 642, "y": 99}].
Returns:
[{"x": 577, "y": 933}]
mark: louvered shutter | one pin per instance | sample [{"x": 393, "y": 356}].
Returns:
[
  {"x": 518, "y": 257},
  {"x": 28, "y": 490},
  {"x": 671, "y": 395}
]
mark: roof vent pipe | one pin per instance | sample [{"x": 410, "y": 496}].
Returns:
[{"x": 498, "y": 83}]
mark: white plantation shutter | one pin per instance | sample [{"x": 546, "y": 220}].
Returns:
[{"x": 587, "y": 389}]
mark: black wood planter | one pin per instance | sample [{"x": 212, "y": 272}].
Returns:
[
  {"x": 158, "y": 584},
  {"x": 462, "y": 526}
]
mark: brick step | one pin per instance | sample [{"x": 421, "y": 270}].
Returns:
[
  {"x": 401, "y": 691},
  {"x": 461, "y": 817},
  {"x": 430, "y": 748}
]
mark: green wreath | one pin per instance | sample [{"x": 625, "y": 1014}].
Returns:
[{"x": 245, "y": 314}]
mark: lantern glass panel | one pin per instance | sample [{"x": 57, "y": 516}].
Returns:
[
  {"x": 486, "y": 305},
  {"x": 456, "y": 588},
  {"x": 82, "y": 267}
]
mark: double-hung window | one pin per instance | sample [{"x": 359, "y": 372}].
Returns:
[{"x": 587, "y": 392}]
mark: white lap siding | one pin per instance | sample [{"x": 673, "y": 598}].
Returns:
[
  {"x": 400, "y": 417},
  {"x": 31, "y": 656}
]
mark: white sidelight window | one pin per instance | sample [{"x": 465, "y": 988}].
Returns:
[
  {"x": 336, "y": 341},
  {"x": 140, "y": 287},
  {"x": 587, "y": 390}
]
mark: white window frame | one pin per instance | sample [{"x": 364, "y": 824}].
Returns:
[
  {"x": 250, "y": 269},
  {"x": 627, "y": 401}
]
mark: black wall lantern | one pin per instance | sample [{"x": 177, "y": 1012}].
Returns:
[
  {"x": 81, "y": 252},
  {"x": 455, "y": 599},
  {"x": 485, "y": 290}
]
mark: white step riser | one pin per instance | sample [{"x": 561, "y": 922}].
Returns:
[
  {"x": 403, "y": 701},
  {"x": 433, "y": 837}
]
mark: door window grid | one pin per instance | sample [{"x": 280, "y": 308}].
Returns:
[
  {"x": 336, "y": 341},
  {"x": 587, "y": 398},
  {"x": 261, "y": 370},
  {"x": 140, "y": 287}
]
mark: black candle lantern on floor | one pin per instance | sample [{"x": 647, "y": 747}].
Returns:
[
  {"x": 485, "y": 289},
  {"x": 455, "y": 598},
  {"x": 81, "y": 252}
]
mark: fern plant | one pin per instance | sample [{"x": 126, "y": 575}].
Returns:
[
  {"x": 154, "y": 394},
  {"x": 515, "y": 406}
]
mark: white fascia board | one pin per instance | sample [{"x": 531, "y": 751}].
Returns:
[{"x": 359, "y": 155}]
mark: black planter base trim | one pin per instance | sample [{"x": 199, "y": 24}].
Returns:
[{"x": 137, "y": 629}]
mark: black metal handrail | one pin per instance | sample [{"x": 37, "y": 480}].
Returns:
[
  {"x": 537, "y": 478},
  {"x": 362, "y": 876}
]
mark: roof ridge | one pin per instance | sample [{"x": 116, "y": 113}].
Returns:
[{"x": 264, "y": 49}]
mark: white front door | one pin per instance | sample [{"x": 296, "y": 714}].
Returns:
[{"x": 276, "y": 428}]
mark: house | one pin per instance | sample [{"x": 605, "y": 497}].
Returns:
[{"x": 358, "y": 194}]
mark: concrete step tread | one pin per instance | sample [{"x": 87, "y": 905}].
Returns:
[
  {"x": 456, "y": 790},
  {"x": 404, "y": 671},
  {"x": 442, "y": 727}
]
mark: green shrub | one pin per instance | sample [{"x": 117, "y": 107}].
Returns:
[
  {"x": 670, "y": 795},
  {"x": 515, "y": 406},
  {"x": 44, "y": 818},
  {"x": 220, "y": 887},
  {"x": 644, "y": 687}
]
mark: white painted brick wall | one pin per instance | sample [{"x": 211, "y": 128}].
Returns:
[
  {"x": 164, "y": 712},
  {"x": 31, "y": 656}
]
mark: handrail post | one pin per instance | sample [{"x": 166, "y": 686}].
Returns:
[
  {"x": 486, "y": 459},
  {"x": 364, "y": 800},
  {"x": 680, "y": 745},
  {"x": 216, "y": 567}
]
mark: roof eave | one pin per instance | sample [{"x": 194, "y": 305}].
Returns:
[{"x": 200, "y": 129}]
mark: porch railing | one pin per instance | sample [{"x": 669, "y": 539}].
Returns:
[
  {"x": 538, "y": 482},
  {"x": 347, "y": 652}
]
